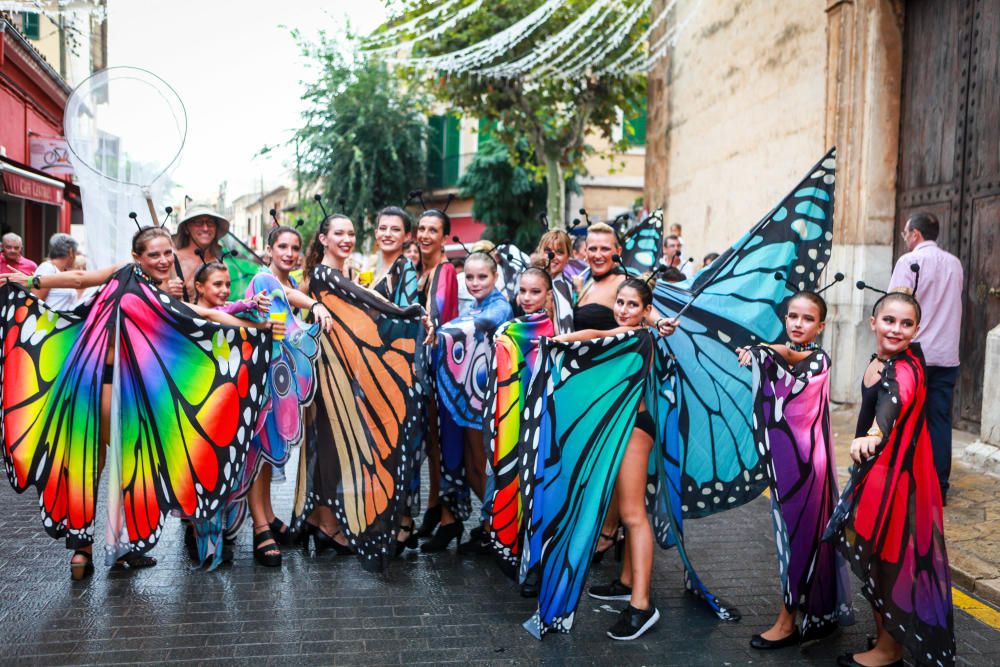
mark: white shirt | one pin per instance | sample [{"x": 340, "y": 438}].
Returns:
[{"x": 59, "y": 298}]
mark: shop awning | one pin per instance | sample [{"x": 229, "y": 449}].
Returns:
[{"x": 26, "y": 183}]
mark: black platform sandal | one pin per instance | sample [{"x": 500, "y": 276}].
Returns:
[
  {"x": 443, "y": 537},
  {"x": 324, "y": 542},
  {"x": 134, "y": 561},
  {"x": 282, "y": 535},
  {"x": 80, "y": 571},
  {"x": 268, "y": 555}
]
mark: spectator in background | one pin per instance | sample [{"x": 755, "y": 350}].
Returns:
[
  {"x": 12, "y": 260},
  {"x": 62, "y": 257},
  {"x": 411, "y": 251},
  {"x": 939, "y": 293},
  {"x": 672, "y": 255},
  {"x": 580, "y": 248},
  {"x": 197, "y": 242},
  {"x": 678, "y": 231},
  {"x": 709, "y": 258}
]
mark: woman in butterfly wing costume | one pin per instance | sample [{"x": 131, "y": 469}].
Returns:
[
  {"x": 889, "y": 523},
  {"x": 398, "y": 284},
  {"x": 366, "y": 405},
  {"x": 74, "y": 380}
]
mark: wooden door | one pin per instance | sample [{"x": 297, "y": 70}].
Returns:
[{"x": 949, "y": 159}]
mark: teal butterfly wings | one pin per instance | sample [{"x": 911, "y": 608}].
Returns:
[
  {"x": 578, "y": 416},
  {"x": 641, "y": 245},
  {"x": 719, "y": 464}
]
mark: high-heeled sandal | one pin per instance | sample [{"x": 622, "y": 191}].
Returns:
[
  {"x": 80, "y": 571},
  {"x": 410, "y": 541},
  {"x": 268, "y": 555},
  {"x": 134, "y": 561},
  {"x": 617, "y": 542},
  {"x": 282, "y": 535},
  {"x": 443, "y": 537},
  {"x": 432, "y": 517},
  {"x": 323, "y": 541}
]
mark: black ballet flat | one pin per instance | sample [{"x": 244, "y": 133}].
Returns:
[
  {"x": 847, "y": 660},
  {"x": 758, "y": 642},
  {"x": 282, "y": 535},
  {"x": 263, "y": 554},
  {"x": 134, "y": 561},
  {"x": 822, "y": 633},
  {"x": 432, "y": 517},
  {"x": 443, "y": 537},
  {"x": 324, "y": 542},
  {"x": 80, "y": 571}
]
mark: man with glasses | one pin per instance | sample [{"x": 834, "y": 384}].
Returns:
[
  {"x": 199, "y": 230},
  {"x": 940, "y": 295}
]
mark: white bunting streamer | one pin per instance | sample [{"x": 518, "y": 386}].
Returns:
[{"x": 588, "y": 46}]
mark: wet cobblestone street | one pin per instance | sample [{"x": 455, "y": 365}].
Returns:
[{"x": 440, "y": 608}]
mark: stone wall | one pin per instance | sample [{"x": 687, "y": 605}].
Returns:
[
  {"x": 751, "y": 95},
  {"x": 744, "y": 120}
]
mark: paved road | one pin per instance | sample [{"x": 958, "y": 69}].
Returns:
[{"x": 427, "y": 609}]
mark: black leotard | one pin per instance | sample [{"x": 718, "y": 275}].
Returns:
[{"x": 866, "y": 412}]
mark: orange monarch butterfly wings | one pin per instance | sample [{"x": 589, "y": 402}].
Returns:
[{"x": 367, "y": 407}]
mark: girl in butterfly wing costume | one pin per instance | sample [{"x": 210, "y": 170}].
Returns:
[
  {"x": 889, "y": 522},
  {"x": 175, "y": 395},
  {"x": 791, "y": 387}
]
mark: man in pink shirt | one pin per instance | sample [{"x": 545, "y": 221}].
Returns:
[
  {"x": 940, "y": 295},
  {"x": 12, "y": 261}
]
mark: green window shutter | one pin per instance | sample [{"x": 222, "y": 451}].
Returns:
[
  {"x": 637, "y": 137},
  {"x": 435, "y": 151},
  {"x": 485, "y": 132},
  {"x": 30, "y": 25},
  {"x": 452, "y": 149}
]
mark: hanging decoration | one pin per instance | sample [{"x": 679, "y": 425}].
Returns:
[{"x": 599, "y": 41}]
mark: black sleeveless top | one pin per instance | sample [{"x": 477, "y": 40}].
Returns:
[
  {"x": 866, "y": 412},
  {"x": 594, "y": 316}
]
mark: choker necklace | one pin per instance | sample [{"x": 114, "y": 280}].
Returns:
[
  {"x": 795, "y": 347},
  {"x": 598, "y": 279}
]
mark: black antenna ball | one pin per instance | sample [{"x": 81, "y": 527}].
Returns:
[
  {"x": 915, "y": 267},
  {"x": 133, "y": 215},
  {"x": 317, "y": 198},
  {"x": 455, "y": 239},
  {"x": 778, "y": 276},
  {"x": 200, "y": 252},
  {"x": 583, "y": 211},
  {"x": 272, "y": 213},
  {"x": 169, "y": 209},
  {"x": 860, "y": 284},
  {"x": 837, "y": 277}
]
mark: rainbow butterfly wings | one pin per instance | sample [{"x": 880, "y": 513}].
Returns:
[
  {"x": 513, "y": 360},
  {"x": 186, "y": 397}
]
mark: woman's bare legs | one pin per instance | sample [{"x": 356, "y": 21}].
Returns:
[
  {"x": 632, "y": 506},
  {"x": 886, "y": 650},
  {"x": 783, "y": 627},
  {"x": 259, "y": 502}
]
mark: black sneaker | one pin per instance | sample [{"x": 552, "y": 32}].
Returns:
[
  {"x": 633, "y": 623},
  {"x": 616, "y": 590}
]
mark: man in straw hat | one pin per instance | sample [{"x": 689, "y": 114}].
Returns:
[{"x": 197, "y": 242}]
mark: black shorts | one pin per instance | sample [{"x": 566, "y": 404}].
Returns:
[{"x": 644, "y": 422}]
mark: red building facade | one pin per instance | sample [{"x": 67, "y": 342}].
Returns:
[{"x": 33, "y": 204}]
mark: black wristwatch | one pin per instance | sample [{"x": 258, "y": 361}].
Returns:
[{"x": 36, "y": 282}]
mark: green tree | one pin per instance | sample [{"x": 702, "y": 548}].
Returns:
[
  {"x": 507, "y": 197},
  {"x": 363, "y": 135},
  {"x": 554, "y": 112}
]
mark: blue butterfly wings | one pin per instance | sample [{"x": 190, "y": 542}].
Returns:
[{"x": 719, "y": 464}]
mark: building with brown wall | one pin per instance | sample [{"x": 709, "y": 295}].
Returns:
[{"x": 909, "y": 93}]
